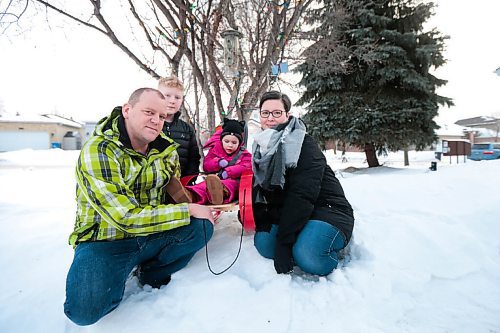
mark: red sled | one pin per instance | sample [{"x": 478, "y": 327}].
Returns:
[{"x": 244, "y": 204}]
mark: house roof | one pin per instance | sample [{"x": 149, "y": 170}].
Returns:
[
  {"x": 477, "y": 121},
  {"x": 450, "y": 130},
  {"x": 40, "y": 119}
]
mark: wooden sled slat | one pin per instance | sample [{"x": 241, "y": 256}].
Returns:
[{"x": 229, "y": 207}]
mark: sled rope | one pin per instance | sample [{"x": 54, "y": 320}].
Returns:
[{"x": 239, "y": 248}]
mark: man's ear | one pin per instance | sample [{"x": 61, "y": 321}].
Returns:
[{"x": 125, "y": 110}]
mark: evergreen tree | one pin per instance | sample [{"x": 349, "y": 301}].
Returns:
[{"x": 367, "y": 76}]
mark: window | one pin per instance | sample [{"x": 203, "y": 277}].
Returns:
[{"x": 481, "y": 146}]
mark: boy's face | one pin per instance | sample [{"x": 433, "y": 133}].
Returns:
[
  {"x": 174, "y": 98},
  {"x": 230, "y": 143}
]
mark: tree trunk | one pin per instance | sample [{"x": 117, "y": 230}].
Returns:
[
  {"x": 371, "y": 156},
  {"x": 407, "y": 160}
]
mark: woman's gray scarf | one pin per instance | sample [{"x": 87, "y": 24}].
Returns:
[{"x": 275, "y": 150}]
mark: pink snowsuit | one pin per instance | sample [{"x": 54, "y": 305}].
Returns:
[{"x": 211, "y": 165}]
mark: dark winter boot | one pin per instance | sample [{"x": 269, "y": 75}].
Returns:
[{"x": 153, "y": 283}]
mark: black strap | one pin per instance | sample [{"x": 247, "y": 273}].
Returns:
[{"x": 236, "y": 156}]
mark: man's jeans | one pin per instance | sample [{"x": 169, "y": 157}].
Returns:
[
  {"x": 96, "y": 279},
  {"x": 315, "y": 250}
]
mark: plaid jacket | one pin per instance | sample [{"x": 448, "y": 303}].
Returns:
[{"x": 121, "y": 193}]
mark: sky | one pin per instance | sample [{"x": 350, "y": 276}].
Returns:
[
  {"x": 79, "y": 73},
  {"x": 71, "y": 71},
  {"x": 424, "y": 257},
  {"x": 473, "y": 53}
]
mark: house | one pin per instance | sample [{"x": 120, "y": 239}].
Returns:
[
  {"x": 482, "y": 129},
  {"x": 451, "y": 132},
  {"x": 39, "y": 132},
  {"x": 482, "y": 121},
  {"x": 89, "y": 127},
  {"x": 484, "y": 135}
]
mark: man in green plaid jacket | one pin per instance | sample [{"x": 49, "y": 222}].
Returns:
[{"x": 124, "y": 219}]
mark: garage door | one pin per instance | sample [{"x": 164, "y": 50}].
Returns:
[{"x": 24, "y": 140}]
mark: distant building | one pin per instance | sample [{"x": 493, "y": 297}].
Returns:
[
  {"x": 451, "y": 132},
  {"x": 484, "y": 135},
  {"x": 39, "y": 132},
  {"x": 482, "y": 121},
  {"x": 446, "y": 132},
  {"x": 482, "y": 129},
  {"x": 89, "y": 128}
]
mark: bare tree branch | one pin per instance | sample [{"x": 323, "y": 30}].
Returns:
[
  {"x": 186, "y": 35},
  {"x": 147, "y": 33},
  {"x": 13, "y": 18},
  {"x": 111, "y": 35},
  {"x": 106, "y": 31},
  {"x": 62, "y": 12}
]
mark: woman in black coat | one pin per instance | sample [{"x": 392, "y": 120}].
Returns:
[{"x": 301, "y": 214}]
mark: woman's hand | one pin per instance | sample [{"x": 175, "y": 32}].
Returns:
[{"x": 283, "y": 259}]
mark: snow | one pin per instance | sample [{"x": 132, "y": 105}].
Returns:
[
  {"x": 450, "y": 130},
  {"x": 486, "y": 133},
  {"x": 425, "y": 257}
]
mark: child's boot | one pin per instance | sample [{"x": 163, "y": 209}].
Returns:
[
  {"x": 177, "y": 192},
  {"x": 215, "y": 189}
]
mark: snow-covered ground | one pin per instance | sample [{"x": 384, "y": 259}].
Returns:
[{"x": 425, "y": 257}]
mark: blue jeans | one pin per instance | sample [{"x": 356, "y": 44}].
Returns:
[
  {"x": 315, "y": 250},
  {"x": 97, "y": 276}
]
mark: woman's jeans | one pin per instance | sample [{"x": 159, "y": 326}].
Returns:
[
  {"x": 96, "y": 279},
  {"x": 315, "y": 250}
]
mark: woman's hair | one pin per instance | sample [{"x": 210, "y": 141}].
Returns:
[{"x": 273, "y": 94}]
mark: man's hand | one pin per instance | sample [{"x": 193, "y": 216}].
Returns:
[
  {"x": 283, "y": 259},
  {"x": 201, "y": 212}
]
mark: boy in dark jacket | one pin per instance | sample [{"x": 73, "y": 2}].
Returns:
[{"x": 177, "y": 129}]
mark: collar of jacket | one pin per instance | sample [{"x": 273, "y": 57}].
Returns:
[{"x": 176, "y": 117}]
